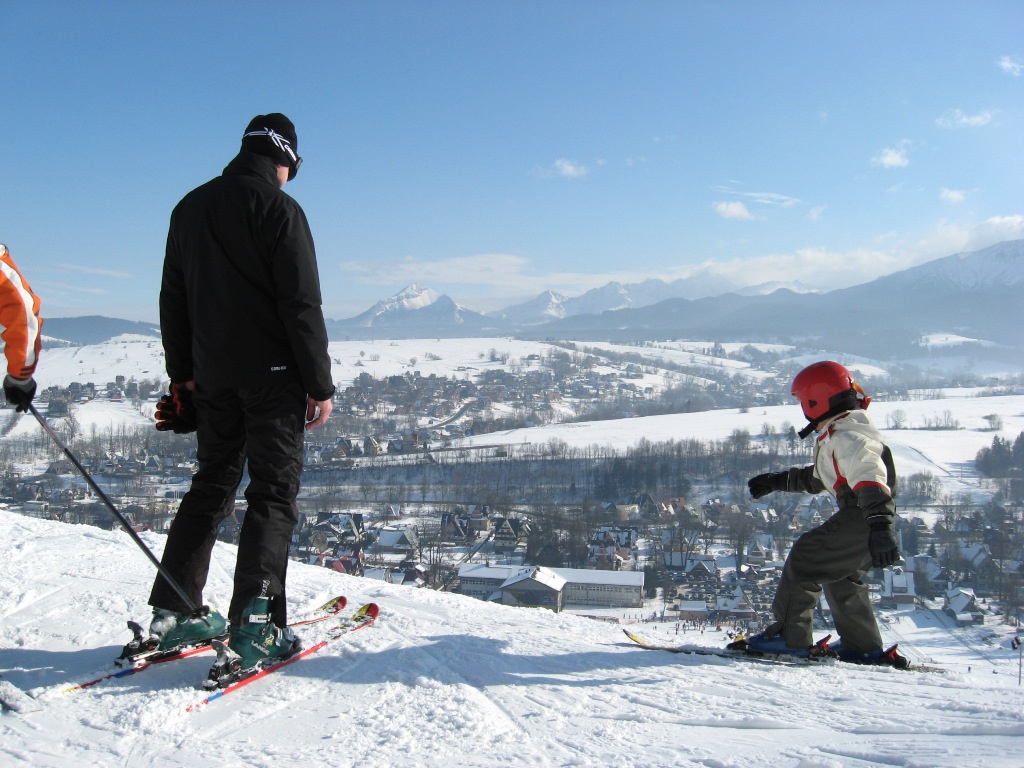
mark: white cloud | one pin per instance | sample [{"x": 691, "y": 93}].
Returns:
[
  {"x": 569, "y": 169},
  {"x": 948, "y": 237},
  {"x": 816, "y": 213},
  {"x": 733, "y": 210},
  {"x": 734, "y": 187},
  {"x": 829, "y": 269},
  {"x": 67, "y": 289},
  {"x": 477, "y": 269},
  {"x": 956, "y": 118},
  {"x": 999, "y": 228},
  {"x": 892, "y": 157},
  {"x": 820, "y": 268},
  {"x": 772, "y": 198},
  {"x": 1011, "y": 65},
  {"x": 95, "y": 271},
  {"x": 952, "y": 195}
]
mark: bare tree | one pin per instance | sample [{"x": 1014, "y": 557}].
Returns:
[
  {"x": 739, "y": 526},
  {"x": 896, "y": 419}
]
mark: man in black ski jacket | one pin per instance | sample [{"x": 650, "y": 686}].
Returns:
[{"x": 246, "y": 352}]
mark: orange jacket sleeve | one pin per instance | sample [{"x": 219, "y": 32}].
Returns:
[{"x": 20, "y": 324}]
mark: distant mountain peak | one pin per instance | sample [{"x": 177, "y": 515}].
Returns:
[
  {"x": 413, "y": 296},
  {"x": 415, "y": 310},
  {"x": 763, "y": 289},
  {"x": 410, "y": 298},
  {"x": 997, "y": 265},
  {"x": 550, "y": 305}
]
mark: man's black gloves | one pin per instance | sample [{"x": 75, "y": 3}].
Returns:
[
  {"x": 19, "y": 392},
  {"x": 175, "y": 411},
  {"x": 882, "y": 545},
  {"x": 762, "y": 485}
]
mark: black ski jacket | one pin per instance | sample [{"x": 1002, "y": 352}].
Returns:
[{"x": 240, "y": 296}]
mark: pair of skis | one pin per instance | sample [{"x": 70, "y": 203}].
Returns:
[
  {"x": 738, "y": 651},
  {"x": 131, "y": 662},
  {"x": 235, "y": 679},
  {"x": 17, "y": 700}
]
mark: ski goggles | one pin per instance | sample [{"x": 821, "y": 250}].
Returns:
[{"x": 294, "y": 161}]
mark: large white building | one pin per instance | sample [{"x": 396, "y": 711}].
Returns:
[
  {"x": 482, "y": 581},
  {"x": 602, "y": 589},
  {"x": 576, "y": 587}
]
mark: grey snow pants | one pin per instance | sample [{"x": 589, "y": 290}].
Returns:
[{"x": 832, "y": 558}]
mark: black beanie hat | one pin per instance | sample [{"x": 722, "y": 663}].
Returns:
[{"x": 273, "y": 136}]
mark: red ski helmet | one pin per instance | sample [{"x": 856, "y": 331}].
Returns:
[{"x": 825, "y": 389}]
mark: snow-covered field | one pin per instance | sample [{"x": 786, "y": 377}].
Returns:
[
  {"x": 142, "y": 358},
  {"x": 946, "y": 454},
  {"x": 444, "y": 680}
]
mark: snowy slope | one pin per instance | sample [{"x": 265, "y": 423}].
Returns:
[{"x": 444, "y": 680}]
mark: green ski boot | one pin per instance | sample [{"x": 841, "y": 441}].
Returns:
[
  {"x": 258, "y": 639},
  {"x": 173, "y": 630}
]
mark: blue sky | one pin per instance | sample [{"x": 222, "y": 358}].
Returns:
[{"x": 492, "y": 150}]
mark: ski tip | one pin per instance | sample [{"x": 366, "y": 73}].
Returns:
[
  {"x": 635, "y": 638},
  {"x": 335, "y": 604},
  {"x": 13, "y": 699},
  {"x": 369, "y": 611}
]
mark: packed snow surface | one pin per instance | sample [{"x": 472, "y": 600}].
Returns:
[{"x": 446, "y": 680}]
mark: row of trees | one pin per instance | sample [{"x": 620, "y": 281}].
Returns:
[{"x": 1002, "y": 458}]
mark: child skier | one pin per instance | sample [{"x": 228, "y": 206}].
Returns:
[{"x": 851, "y": 462}]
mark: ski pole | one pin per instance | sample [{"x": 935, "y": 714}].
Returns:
[{"x": 193, "y": 609}]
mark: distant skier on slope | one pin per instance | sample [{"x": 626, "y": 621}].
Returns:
[
  {"x": 852, "y": 462},
  {"x": 20, "y": 328}
]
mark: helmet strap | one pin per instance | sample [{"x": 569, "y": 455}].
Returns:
[{"x": 852, "y": 399}]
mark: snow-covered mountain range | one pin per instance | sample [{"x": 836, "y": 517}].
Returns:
[
  {"x": 973, "y": 295},
  {"x": 614, "y": 296}
]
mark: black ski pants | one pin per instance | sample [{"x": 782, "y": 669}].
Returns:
[{"x": 262, "y": 427}]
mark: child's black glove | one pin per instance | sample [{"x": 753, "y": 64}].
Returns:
[
  {"x": 882, "y": 545},
  {"x": 762, "y": 485}
]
